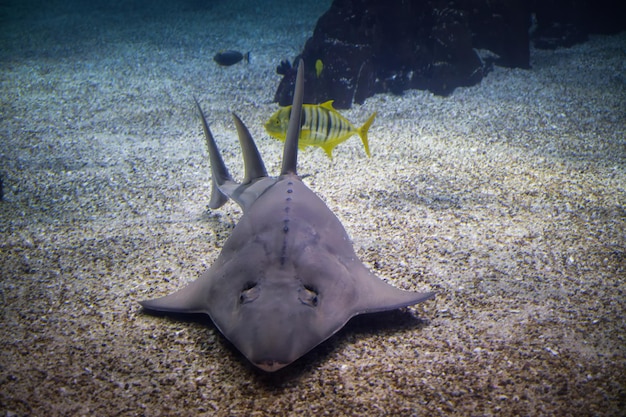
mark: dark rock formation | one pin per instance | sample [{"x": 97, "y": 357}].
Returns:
[
  {"x": 563, "y": 23},
  {"x": 372, "y": 46},
  {"x": 501, "y": 27}
]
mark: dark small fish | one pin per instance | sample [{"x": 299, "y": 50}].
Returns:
[
  {"x": 230, "y": 57},
  {"x": 285, "y": 68}
]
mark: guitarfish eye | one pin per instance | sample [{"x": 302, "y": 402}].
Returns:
[
  {"x": 249, "y": 293},
  {"x": 308, "y": 295}
]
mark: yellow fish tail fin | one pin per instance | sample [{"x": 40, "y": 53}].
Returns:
[{"x": 362, "y": 131}]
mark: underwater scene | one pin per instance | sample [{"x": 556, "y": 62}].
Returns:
[{"x": 154, "y": 262}]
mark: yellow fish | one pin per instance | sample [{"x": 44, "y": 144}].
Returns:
[
  {"x": 322, "y": 126},
  {"x": 319, "y": 67}
]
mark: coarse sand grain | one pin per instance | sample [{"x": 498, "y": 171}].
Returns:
[{"x": 506, "y": 198}]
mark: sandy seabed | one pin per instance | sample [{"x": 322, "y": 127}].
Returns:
[{"x": 506, "y": 198}]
